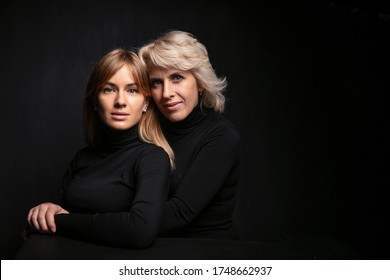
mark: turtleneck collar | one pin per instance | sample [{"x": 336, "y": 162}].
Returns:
[
  {"x": 183, "y": 126},
  {"x": 114, "y": 140}
]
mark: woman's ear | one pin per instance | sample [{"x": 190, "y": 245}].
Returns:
[
  {"x": 94, "y": 103},
  {"x": 146, "y": 105},
  {"x": 200, "y": 87}
]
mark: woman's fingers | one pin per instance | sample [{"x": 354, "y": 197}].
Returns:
[
  {"x": 41, "y": 217},
  {"x": 50, "y": 222}
]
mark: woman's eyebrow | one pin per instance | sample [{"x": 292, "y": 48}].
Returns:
[{"x": 114, "y": 85}]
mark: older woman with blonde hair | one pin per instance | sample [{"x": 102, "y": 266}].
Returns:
[{"x": 189, "y": 96}]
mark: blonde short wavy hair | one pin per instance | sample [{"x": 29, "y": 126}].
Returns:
[{"x": 181, "y": 50}]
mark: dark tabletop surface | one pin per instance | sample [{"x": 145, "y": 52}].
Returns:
[{"x": 42, "y": 247}]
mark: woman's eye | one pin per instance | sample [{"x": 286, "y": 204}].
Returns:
[
  {"x": 177, "y": 78},
  {"x": 108, "y": 90},
  {"x": 155, "y": 83},
  {"x": 132, "y": 90}
]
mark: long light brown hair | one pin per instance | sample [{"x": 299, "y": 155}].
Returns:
[{"x": 149, "y": 129}]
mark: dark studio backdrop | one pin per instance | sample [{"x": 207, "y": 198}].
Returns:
[{"x": 307, "y": 87}]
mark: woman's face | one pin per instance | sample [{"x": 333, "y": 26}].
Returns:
[
  {"x": 120, "y": 103},
  {"x": 174, "y": 91}
]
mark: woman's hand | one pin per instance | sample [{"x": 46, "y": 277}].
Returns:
[{"x": 41, "y": 217}]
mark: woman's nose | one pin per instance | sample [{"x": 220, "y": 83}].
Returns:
[
  {"x": 168, "y": 90},
  {"x": 120, "y": 101}
]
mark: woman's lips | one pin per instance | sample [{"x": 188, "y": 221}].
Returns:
[
  {"x": 172, "y": 106},
  {"x": 119, "y": 116}
]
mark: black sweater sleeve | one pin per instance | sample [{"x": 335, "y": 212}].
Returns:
[
  {"x": 206, "y": 176},
  {"x": 136, "y": 228}
]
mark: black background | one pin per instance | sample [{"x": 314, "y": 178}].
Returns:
[{"x": 307, "y": 88}]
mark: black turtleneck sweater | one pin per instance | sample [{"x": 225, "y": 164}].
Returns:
[
  {"x": 201, "y": 200},
  {"x": 115, "y": 194}
]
